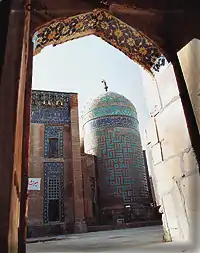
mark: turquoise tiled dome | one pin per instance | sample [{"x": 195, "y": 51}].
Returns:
[
  {"x": 108, "y": 104},
  {"x": 111, "y": 133}
]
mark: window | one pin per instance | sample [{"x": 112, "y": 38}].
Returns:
[
  {"x": 54, "y": 199},
  {"x": 53, "y": 147},
  {"x": 54, "y": 212},
  {"x": 53, "y": 192}
]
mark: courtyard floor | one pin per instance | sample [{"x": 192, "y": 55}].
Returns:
[{"x": 146, "y": 239}]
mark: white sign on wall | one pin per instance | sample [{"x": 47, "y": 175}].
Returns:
[{"x": 34, "y": 184}]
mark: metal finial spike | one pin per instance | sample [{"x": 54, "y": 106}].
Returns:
[
  {"x": 105, "y": 85},
  {"x": 104, "y": 2}
]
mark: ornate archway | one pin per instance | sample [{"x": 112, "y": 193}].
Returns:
[
  {"x": 177, "y": 28},
  {"x": 133, "y": 43}
]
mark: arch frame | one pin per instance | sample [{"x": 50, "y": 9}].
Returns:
[{"x": 132, "y": 42}]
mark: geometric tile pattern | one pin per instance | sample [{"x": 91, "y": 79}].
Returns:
[
  {"x": 53, "y": 132},
  {"x": 99, "y": 22},
  {"x": 113, "y": 121},
  {"x": 120, "y": 165},
  {"x": 50, "y": 107},
  {"x": 53, "y": 172}
]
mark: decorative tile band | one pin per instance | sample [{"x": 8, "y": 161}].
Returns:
[
  {"x": 113, "y": 121},
  {"x": 53, "y": 170},
  {"x": 50, "y": 107},
  {"x": 53, "y": 132},
  {"x": 46, "y": 99},
  {"x": 100, "y": 22},
  {"x": 50, "y": 116},
  {"x": 109, "y": 111}
]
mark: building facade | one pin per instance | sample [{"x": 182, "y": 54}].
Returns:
[
  {"x": 111, "y": 133},
  {"x": 58, "y": 205}
]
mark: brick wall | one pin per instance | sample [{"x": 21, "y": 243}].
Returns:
[
  {"x": 72, "y": 177},
  {"x": 88, "y": 170},
  {"x": 80, "y": 225}
]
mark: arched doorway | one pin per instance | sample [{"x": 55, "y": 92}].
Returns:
[
  {"x": 133, "y": 43},
  {"x": 16, "y": 94}
]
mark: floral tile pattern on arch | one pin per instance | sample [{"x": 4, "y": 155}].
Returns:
[{"x": 101, "y": 23}]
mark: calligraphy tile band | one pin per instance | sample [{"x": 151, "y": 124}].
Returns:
[{"x": 50, "y": 107}]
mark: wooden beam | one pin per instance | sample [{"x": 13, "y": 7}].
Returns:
[
  {"x": 10, "y": 165},
  {"x": 25, "y": 153}
]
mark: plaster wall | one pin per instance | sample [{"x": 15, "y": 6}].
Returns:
[{"x": 171, "y": 158}]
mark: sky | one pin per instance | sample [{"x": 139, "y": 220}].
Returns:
[{"x": 81, "y": 64}]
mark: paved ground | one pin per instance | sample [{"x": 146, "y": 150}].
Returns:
[{"x": 148, "y": 239}]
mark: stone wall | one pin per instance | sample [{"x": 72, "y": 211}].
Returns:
[
  {"x": 190, "y": 63},
  {"x": 171, "y": 159}
]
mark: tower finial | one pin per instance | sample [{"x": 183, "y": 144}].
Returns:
[{"x": 105, "y": 85}]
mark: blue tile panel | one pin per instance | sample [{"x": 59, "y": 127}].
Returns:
[
  {"x": 113, "y": 121},
  {"x": 53, "y": 169},
  {"x": 109, "y": 111},
  {"x": 53, "y": 132},
  {"x": 50, "y": 107},
  {"x": 50, "y": 115}
]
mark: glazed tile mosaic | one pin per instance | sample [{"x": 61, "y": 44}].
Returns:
[
  {"x": 108, "y": 99},
  {"x": 121, "y": 166},
  {"x": 108, "y": 104},
  {"x": 53, "y": 170},
  {"x": 130, "y": 41},
  {"x": 50, "y": 107},
  {"x": 115, "y": 140},
  {"x": 113, "y": 121},
  {"x": 53, "y": 132},
  {"x": 99, "y": 133},
  {"x": 111, "y": 110}
]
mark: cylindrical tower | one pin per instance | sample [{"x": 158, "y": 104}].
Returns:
[{"x": 111, "y": 133}]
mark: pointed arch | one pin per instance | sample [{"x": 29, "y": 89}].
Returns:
[{"x": 133, "y": 43}]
